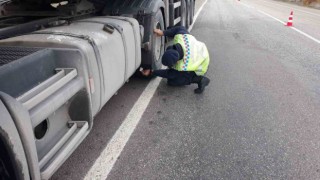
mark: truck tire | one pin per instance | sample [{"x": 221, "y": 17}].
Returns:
[
  {"x": 158, "y": 42},
  {"x": 6, "y": 168}
]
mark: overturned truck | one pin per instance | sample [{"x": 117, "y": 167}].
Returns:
[{"x": 60, "y": 62}]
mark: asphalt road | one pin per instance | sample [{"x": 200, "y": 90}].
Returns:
[{"x": 258, "y": 119}]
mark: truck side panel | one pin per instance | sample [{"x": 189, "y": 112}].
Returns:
[{"x": 80, "y": 67}]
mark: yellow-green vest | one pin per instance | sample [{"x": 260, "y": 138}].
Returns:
[{"x": 196, "y": 56}]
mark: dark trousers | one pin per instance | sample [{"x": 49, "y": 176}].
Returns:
[{"x": 178, "y": 78}]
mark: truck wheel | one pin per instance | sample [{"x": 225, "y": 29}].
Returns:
[
  {"x": 158, "y": 42},
  {"x": 6, "y": 168}
]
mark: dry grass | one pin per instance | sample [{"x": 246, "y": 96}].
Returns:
[{"x": 307, "y": 2}]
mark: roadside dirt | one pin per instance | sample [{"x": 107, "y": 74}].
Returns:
[{"x": 307, "y": 3}]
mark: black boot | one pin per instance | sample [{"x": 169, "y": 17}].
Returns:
[{"x": 202, "y": 83}]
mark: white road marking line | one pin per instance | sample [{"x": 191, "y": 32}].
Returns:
[
  {"x": 305, "y": 34},
  {"x": 292, "y": 8},
  {"x": 196, "y": 15},
  {"x": 108, "y": 157},
  {"x": 104, "y": 163},
  {"x": 272, "y": 17},
  {"x": 297, "y": 30}
]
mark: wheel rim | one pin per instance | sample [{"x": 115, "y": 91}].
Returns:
[{"x": 158, "y": 43}]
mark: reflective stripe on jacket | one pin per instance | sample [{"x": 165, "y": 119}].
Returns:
[{"x": 196, "y": 56}]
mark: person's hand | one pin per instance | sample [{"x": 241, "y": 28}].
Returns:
[
  {"x": 158, "y": 32},
  {"x": 146, "y": 72}
]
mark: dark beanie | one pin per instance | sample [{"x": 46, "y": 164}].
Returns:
[
  {"x": 170, "y": 57},
  {"x": 178, "y": 48}
]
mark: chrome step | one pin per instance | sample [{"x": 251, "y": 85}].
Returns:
[
  {"x": 63, "y": 149},
  {"x": 37, "y": 94}
]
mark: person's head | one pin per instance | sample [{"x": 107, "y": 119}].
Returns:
[{"x": 170, "y": 57}]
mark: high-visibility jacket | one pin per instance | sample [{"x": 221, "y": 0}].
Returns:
[{"x": 196, "y": 56}]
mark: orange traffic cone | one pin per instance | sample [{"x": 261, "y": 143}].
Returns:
[{"x": 289, "y": 23}]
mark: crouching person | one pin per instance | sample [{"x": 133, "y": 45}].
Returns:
[{"x": 187, "y": 60}]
